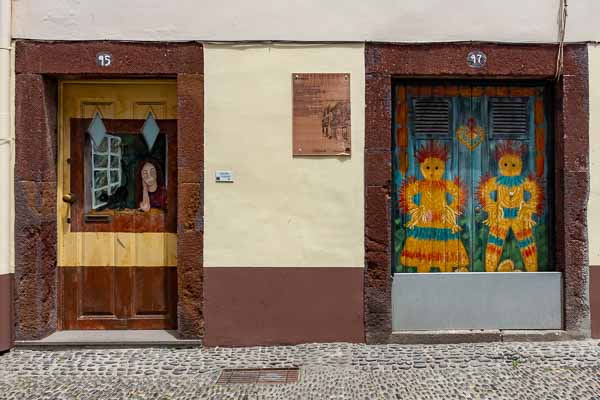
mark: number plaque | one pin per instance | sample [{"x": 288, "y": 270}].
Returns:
[
  {"x": 104, "y": 59},
  {"x": 476, "y": 59}
]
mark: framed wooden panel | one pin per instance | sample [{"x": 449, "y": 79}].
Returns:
[{"x": 122, "y": 220}]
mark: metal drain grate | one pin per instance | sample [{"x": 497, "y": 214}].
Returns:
[{"x": 267, "y": 375}]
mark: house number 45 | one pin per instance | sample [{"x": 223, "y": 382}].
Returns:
[
  {"x": 104, "y": 59},
  {"x": 476, "y": 59}
]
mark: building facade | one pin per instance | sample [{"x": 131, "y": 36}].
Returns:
[{"x": 279, "y": 175}]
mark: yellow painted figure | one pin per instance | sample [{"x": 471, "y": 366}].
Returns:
[
  {"x": 433, "y": 205},
  {"x": 510, "y": 201}
]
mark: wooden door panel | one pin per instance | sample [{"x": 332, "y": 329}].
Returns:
[
  {"x": 89, "y": 300},
  {"x": 150, "y": 296},
  {"x": 142, "y": 108},
  {"x": 97, "y": 288},
  {"x": 69, "y": 298},
  {"x": 106, "y": 108},
  {"x": 154, "y": 292}
]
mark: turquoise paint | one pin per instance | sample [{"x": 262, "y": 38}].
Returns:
[
  {"x": 441, "y": 234},
  {"x": 496, "y": 240},
  {"x": 510, "y": 213},
  {"x": 510, "y": 181},
  {"x": 524, "y": 243}
]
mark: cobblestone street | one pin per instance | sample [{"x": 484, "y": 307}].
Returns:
[{"x": 554, "y": 370}]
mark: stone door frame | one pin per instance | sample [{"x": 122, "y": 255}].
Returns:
[
  {"x": 38, "y": 68},
  {"x": 386, "y": 62}
]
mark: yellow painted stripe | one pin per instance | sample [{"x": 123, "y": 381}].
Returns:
[{"x": 109, "y": 249}]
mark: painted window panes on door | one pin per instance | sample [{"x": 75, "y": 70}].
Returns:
[
  {"x": 128, "y": 169},
  {"x": 470, "y": 172}
]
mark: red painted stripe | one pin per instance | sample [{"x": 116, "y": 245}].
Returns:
[{"x": 6, "y": 311}]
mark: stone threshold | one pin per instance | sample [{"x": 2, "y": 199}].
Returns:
[
  {"x": 110, "y": 338},
  {"x": 476, "y": 336},
  {"x": 166, "y": 338}
]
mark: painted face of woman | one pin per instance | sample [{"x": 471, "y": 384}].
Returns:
[{"x": 149, "y": 177}]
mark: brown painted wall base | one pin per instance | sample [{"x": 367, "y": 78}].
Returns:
[
  {"x": 595, "y": 300},
  {"x": 270, "y": 306},
  {"x": 6, "y": 311}
]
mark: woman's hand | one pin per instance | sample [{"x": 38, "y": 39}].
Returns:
[{"x": 145, "y": 204}]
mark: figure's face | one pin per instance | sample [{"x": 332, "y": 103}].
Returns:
[
  {"x": 433, "y": 168},
  {"x": 510, "y": 165},
  {"x": 149, "y": 175}
]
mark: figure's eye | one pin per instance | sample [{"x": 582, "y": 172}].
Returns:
[
  {"x": 436, "y": 168},
  {"x": 428, "y": 167},
  {"x": 513, "y": 165},
  {"x": 506, "y": 164}
]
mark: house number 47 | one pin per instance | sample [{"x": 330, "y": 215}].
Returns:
[
  {"x": 104, "y": 59},
  {"x": 476, "y": 59}
]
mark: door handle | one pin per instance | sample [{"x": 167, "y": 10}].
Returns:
[
  {"x": 478, "y": 209},
  {"x": 69, "y": 198}
]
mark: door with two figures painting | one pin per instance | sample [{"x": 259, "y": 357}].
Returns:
[{"x": 471, "y": 177}]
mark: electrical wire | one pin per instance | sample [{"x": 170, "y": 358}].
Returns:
[{"x": 562, "y": 25}]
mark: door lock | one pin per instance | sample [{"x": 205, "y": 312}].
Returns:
[{"x": 69, "y": 198}]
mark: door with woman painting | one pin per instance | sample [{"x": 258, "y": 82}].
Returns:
[
  {"x": 118, "y": 205},
  {"x": 471, "y": 177}
]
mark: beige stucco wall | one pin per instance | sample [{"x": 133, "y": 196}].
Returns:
[
  {"x": 307, "y": 20},
  {"x": 594, "y": 201},
  {"x": 7, "y": 264},
  {"x": 11, "y": 266},
  {"x": 281, "y": 210}
]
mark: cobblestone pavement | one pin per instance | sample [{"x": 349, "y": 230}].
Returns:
[{"x": 552, "y": 370}]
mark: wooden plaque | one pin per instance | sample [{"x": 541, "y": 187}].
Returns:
[{"x": 321, "y": 114}]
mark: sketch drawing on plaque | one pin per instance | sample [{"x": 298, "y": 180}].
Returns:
[{"x": 321, "y": 114}]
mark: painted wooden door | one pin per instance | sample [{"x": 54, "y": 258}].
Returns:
[
  {"x": 117, "y": 202},
  {"x": 471, "y": 171}
]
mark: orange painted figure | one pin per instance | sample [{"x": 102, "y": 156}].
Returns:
[
  {"x": 510, "y": 201},
  {"x": 433, "y": 205}
]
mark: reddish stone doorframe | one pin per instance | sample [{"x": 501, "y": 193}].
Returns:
[
  {"x": 38, "y": 66},
  {"x": 384, "y": 62}
]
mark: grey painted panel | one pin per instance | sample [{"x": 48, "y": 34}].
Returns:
[{"x": 477, "y": 300}]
